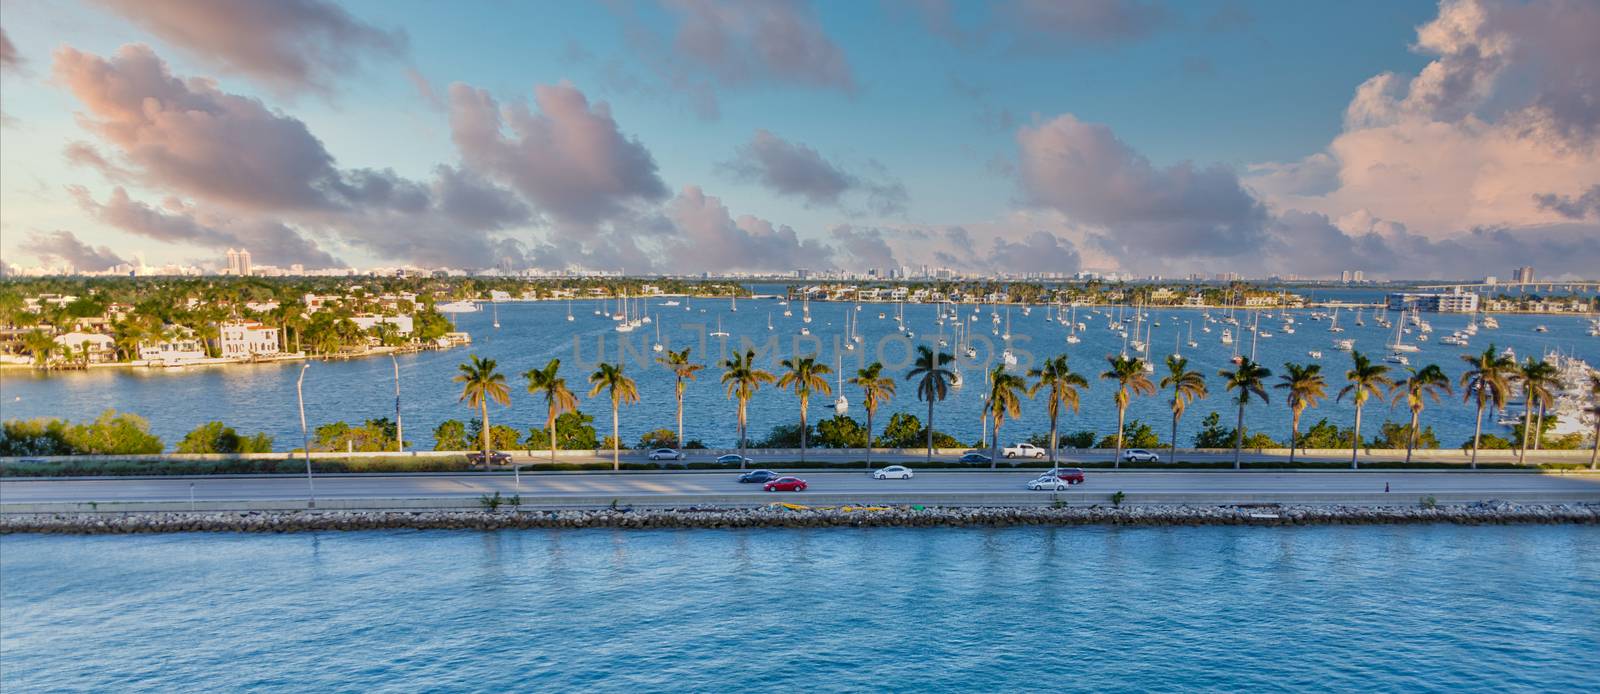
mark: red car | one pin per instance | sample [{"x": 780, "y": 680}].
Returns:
[{"x": 785, "y": 484}]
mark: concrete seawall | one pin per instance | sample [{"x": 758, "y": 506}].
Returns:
[
  {"x": 775, "y": 516},
  {"x": 1018, "y": 499}
]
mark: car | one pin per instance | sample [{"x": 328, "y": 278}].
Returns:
[
  {"x": 495, "y": 458},
  {"x": 1139, "y": 455},
  {"x": 1072, "y": 475},
  {"x": 762, "y": 476},
  {"x": 665, "y": 454},
  {"x": 976, "y": 458},
  {"x": 1024, "y": 450},
  {"x": 734, "y": 459},
  {"x": 893, "y": 472},
  {"x": 785, "y": 484},
  {"x": 1049, "y": 482}
]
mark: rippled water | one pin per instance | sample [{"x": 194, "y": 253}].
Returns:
[{"x": 1379, "y": 608}]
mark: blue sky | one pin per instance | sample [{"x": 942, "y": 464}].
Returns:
[{"x": 942, "y": 133}]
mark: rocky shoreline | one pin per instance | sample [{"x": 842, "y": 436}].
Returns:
[{"x": 1491, "y": 512}]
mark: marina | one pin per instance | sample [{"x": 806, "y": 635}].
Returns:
[{"x": 531, "y": 333}]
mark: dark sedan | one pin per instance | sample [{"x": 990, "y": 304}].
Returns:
[{"x": 759, "y": 476}]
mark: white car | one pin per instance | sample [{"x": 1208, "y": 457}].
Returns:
[
  {"x": 1024, "y": 450},
  {"x": 893, "y": 472},
  {"x": 1139, "y": 455},
  {"x": 666, "y": 454},
  {"x": 1048, "y": 483}
]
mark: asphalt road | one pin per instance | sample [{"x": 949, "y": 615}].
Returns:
[
  {"x": 721, "y": 484},
  {"x": 834, "y": 456}
]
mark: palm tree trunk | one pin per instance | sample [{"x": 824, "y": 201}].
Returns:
[
  {"x": 680, "y": 420},
  {"x": 803, "y": 429},
  {"x": 994, "y": 457},
  {"x": 1172, "y": 454},
  {"x": 616, "y": 440},
  {"x": 930, "y": 429},
  {"x": 742, "y": 403},
  {"x": 1527, "y": 420},
  {"x": 869, "y": 438},
  {"x": 1593, "y": 452},
  {"x": 1538, "y": 429},
  {"x": 1477, "y": 431},
  {"x": 1238, "y": 434},
  {"x": 1053, "y": 441},
  {"x": 551, "y": 422},
  {"x": 1294, "y": 432},
  {"x": 485, "y": 437},
  {"x": 1117, "y": 461},
  {"x": 1411, "y": 437},
  {"x": 1355, "y": 439}
]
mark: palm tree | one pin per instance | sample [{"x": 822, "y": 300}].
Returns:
[
  {"x": 1306, "y": 386},
  {"x": 1594, "y": 396},
  {"x": 1186, "y": 386},
  {"x": 933, "y": 382},
  {"x": 804, "y": 375},
  {"x": 557, "y": 398},
  {"x": 1540, "y": 381},
  {"x": 876, "y": 389},
  {"x": 1366, "y": 379},
  {"x": 1063, "y": 383},
  {"x": 480, "y": 383},
  {"x": 743, "y": 379},
  {"x": 1488, "y": 380},
  {"x": 1423, "y": 383},
  {"x": 1128, "y": 372},
  {"x": 1246, "y": 379},
  {"x": 40, "y": 345},
  {"x": 609, "y": 377},
  {"x": 1003, "y": 401},
  {"x": 685, "y": 371}
]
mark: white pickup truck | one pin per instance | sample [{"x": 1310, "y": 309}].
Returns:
[{"x": 1024, "y": 450}]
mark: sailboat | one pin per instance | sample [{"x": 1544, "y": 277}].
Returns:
[
  {"x": 657, "y": 347},
  {"x": 1334, "y": 327},
  {"x": 1072, "y": 336},
  {"x": 735, "y": 306},
  {"x": 623, "y": 324},
  {"x": 1399, "y": 345},
  {"x": 841, "y": 404},
  {"x": 1192, "y": 344},
  {"x": 569, "y": 311},
  {"x": 719, "y": 331},
  {"x": 1146, "y": 364},
  {"x": 494, "y": 305},
  {"x": 805, "y": 310},
  {"x": 769, "y": 320}
]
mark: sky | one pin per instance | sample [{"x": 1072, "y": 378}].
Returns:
[{"x": 1407, "y": 139}]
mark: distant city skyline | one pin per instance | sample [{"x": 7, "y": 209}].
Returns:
[{"x": 1353, "y": 142}]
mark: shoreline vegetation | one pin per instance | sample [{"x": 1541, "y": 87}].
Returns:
[
  {"x": 791, "y": 516},
  {"x": 459, "y": 463},
  {"x": 80, "y": 322}
]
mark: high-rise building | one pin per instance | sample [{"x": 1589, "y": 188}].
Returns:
[
  {"x": 1344, "y": 276},
  {"x": 1358, "y": 276},
  {"x": 1522, "y": 274},
  {"x": 233, "y": 262},
  {"x": 244, "y": 262}
]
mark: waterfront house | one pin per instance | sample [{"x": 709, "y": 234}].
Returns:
[
  {"x": 246, "y": 339},
  {"x": 177, "y": 346},
  {"x": 100, "y": 348}
]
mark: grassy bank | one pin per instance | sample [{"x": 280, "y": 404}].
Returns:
[{"x": 116, "y": 468}]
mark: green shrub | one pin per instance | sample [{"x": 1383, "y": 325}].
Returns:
[
  {"x": 574, "y": 432},
  {"x": 215, "y": 437}
]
